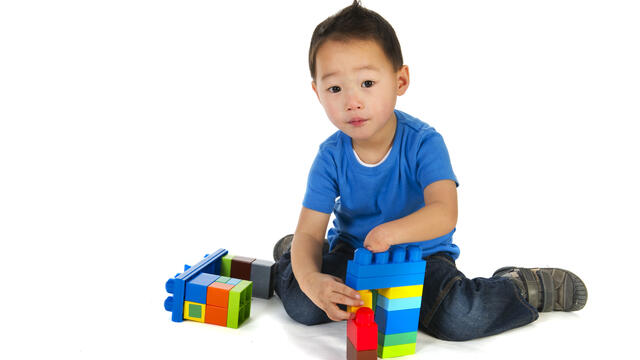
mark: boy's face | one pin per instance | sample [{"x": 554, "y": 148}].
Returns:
[{"x": 356, "y": 81}]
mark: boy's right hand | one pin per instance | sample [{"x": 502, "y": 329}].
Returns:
[{"x": 327, "y": 291}]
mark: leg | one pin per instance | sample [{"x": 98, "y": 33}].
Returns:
[
  {"x": 296, "y": 303},
  {"x": 456, "y": 308}
]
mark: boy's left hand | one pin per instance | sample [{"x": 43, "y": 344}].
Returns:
[{"x": 380, "y": 238}]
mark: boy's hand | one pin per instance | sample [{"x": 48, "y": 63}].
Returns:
[
  {"x": 379, "y": 239},
  {"x": 326, "y": 291}
]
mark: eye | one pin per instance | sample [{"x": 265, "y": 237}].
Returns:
[
  {"x": 334, "y": 89},
  {"x": 367, "y": 83}
]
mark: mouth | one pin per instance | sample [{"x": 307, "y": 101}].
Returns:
[{"x": 357, "y": 121}]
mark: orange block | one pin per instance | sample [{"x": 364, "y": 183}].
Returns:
[
  {"x": 218, "y": 294},
  {"x": 216, "y": 315}
]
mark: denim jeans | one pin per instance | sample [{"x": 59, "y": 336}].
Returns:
[{"x": 453, "y": 307}]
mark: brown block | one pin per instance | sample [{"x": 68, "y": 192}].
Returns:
[
  {"x": 353, "y": 354},
  {"x": 241, "y": 267}
]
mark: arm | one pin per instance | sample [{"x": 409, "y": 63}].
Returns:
[
  {"x": 326, "y": 291},
  {"x": 438, "y": 217}
]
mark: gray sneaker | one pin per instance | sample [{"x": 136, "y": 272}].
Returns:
[
  {"x": 282, "y": 246},
  {"x": 548, "y": 289}
]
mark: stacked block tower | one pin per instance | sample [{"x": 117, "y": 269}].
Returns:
[
  {"x": 390, "y": 283},
  {"x": 218, "y": 289}
]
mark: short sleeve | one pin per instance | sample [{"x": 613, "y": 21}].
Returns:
[
  {"x": 433, "y": 161},
  {"x": 322, "y": 183}
]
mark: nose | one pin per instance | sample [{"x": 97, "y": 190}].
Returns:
[{"x": 353, "y": 102}]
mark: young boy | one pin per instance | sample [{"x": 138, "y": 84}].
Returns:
[{"x": 387, "y": 177}]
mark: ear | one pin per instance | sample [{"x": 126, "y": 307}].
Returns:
[
  {"x": 315, "y": 89},
  {"x": 402, "y": 78}
]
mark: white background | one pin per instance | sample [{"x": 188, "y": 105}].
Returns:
[{"x": 136, "y": 136}]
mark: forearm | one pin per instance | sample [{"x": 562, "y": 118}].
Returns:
[
  {"x": 306, "y": 256},
  {"x": 427, "y": 223}
]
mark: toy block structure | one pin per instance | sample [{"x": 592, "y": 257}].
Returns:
[
  {"x": 201, "y": 294},
  {"x": 208, "y": 292},
  {"x": 362, "y": 336},
  {"x": 394, "y": 280}
]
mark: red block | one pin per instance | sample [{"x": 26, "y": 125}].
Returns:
[{"x": 363, "y": 330}]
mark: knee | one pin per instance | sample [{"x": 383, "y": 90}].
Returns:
[{"x": 453, "y": 328}]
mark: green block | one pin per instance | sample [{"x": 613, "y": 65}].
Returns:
[
  {"x": 397, "y": 339},
  {"x": 223, "y": 279},
  {"x": 374, "y": 297},
  {"x": 195, "y": 311},
  {"x": 396, "y": 350},
  {"x": 225, "y": 268},
  {"x": 239, "y": 304}
]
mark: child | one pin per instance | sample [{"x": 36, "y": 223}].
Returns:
[{"x": 387, "y": 177}]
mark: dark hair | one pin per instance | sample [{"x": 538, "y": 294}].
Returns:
[{"x": 356, "y": 22}]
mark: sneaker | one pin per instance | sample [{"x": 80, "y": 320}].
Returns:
[
  {"x": 548, "y": 289},
  {"x": 283, "y": 245}
]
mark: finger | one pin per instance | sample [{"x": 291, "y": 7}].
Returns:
[
  {"x": 336, "y": 314},
  {"x": 338, "y": 298},
  {"x": 345, "y": 290}
]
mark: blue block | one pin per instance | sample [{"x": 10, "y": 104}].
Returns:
[
  {"x": 196, "y": 290},
  {"x": 398, "y": 304},
  {"x": 233, "y": 281},
  {"x": 398, "y": 260},
  {"x": 176, "y": 286},
  {"x": 383, "y": 282},
  {"x": 399, "y": 321}
]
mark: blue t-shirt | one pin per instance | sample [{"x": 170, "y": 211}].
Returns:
[{"x": 364, "y": 197}]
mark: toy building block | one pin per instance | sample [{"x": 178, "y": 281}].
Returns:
[
  {"x": 396, "y": 260},
  {"x": 239, "y": 304},
  {"x": 367, "y": 297},
  {"x": 397, "y": 339},
  {"x": 399, "y": 266},
  {"x": 216, "y": 315},
  {"x": 363, "y": 331},
  {"x": 241, "y": 267},
  {"x": 223, "y": 279},
  {"x": 176, "y": 286},
  {"x": 353, "y": 354},
  {"x": 401, "y": 291},
  {"x": 396, "y": 350},
  {"x": 196, "y": 290},
  {"x": 398, "y": 321},
  {"x": 194, "y": 311},
  {"x": 218, "y": 294},
  {"x": 399, "y": 303},
  {"x": 225, "y": 269},
  {"x": 263, "y": 277}
]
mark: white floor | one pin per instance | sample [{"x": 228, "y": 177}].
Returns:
[{"x": 135, "y": 136}]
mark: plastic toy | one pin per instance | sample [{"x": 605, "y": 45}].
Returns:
[
  {"x": 395, "y": 278},
  {"x": 362, "y": 336},
  {"x": 208, "y": 292}
]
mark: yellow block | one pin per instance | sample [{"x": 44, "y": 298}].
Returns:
[
  {"x": 367, "y": 297},
  {"x": 194, "y": 311},
  {"x": 401, "y": 292}
]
